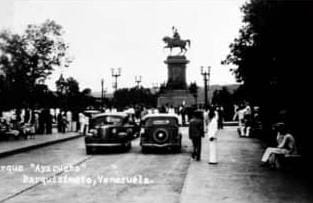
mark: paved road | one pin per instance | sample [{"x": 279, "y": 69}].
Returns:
[
  {"x": 154, "y": 177},
  {"x": 118, "y": 177}
]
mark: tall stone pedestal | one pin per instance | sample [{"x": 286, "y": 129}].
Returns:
[
  {"x": 176, "y": 92},
  {"x": 175, "y": 98}
]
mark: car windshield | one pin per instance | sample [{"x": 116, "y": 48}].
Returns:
[
  {"x": 161, "y": 121},
  {"x": 106, "y": 120}
]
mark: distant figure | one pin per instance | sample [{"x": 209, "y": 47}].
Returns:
[
  {"x": 69, "y": 119},
  {"x": 240, "y": 115},
  {"x": 81, "y": 121},
  {"x": 60, "y": 122},
  {"x": 195, "y": 134},
  {"x": 182, "y": 111},
  {"x": 176, "y": 35},
  {"x": 48, "y": 122},
  {"x": 171, "y": 110},
  {"x": 212, "y": 130},
  {"x": 220, "y": 116},
  {"x": 286, "y": 145}
]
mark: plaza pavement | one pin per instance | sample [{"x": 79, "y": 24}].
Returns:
[
  {"x": 238, "y": 176},
  {"x": 17, "y": 146}
]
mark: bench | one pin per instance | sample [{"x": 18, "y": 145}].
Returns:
[{"x": 288, "y": 161}]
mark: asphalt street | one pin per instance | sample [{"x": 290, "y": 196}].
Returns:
[
  {"x": 64, "y": 173},
  {"x": 105, "y": 177}
]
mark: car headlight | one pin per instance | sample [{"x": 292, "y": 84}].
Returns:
[
  {"x": 114, "y": 131},
  {"x": 122, "y": 134}
]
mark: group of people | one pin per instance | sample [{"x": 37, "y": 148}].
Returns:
[
  {"x": 41, "y": 121},
  {"x": 204, "y": 124},
  {"x": 248, "y": 119}
]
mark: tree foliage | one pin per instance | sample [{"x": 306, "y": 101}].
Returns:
[
  {"x": 70, "y": 96},
  {"x": 272, "y": 55},
  {"x": 134, "y": 96},
  {"x": 222, "y": 97},
  {"x": 27, "y": 59}
]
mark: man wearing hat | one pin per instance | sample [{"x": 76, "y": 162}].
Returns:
[{"x": 196, "y": 133}]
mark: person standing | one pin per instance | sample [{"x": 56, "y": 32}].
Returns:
[
  {"x": 81, "y": 121},
  {"x": 241, "y": 122},
  {"x": 212, "y": 132},
  {"x": 196, "y": 133},
  {"x": 60, "y": 122},
  {"x": 48, "y": 121},
  {"x": 69, "y": 121},
  {"x": 220, "y": 115}
]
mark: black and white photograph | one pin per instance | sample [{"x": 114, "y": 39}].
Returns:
[{"x": 173, "y": 101}]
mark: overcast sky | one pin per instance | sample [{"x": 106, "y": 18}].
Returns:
[{"x": 128, "y": 34}]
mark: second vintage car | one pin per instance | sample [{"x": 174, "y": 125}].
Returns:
[
  {"x": 160, "y": 131},
  {"x": 110, "y": 130}
]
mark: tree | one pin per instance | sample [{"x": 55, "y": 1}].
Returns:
[
  {"x": 222, "y": 97},
  {"x": 27, "y": 59},
  {"x": 272, "y": 57},
  {"x": 134, "y": 96},
  {"x": 69, "y": 95},
  {"x": 193, "y": 89}
]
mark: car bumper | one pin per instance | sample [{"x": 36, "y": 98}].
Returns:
[
  {"x": 160, "y": 145},
  {"x": 106, "y": 144}
]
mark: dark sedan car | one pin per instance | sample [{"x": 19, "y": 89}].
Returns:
[
  {"x": 160, "y": 131},
  {"x": 110, "y": 130}
]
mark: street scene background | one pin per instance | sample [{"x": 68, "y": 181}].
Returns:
[{"x": 242, "y": 64}]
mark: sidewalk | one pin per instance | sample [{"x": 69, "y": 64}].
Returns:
[
  {"x": 17, "y": 146},
  {"x": 238, "y": 176}
]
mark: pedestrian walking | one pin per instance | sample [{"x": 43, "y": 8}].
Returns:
[
  {"x": 196, "y": 133},
  {"x": 212, "y": 133}
]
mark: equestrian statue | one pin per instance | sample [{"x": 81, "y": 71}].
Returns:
[{"x": 176, "y": 41}]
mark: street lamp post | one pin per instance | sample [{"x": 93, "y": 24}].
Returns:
[
  {"x": 116, "y": 74},
  {"x": 102, "y": 92},
  {"x": 206, "y": 76},
  {"x": 138, "y": 80}
]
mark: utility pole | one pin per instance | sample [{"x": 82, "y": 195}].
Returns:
[
  {"x": 115, "y": 73},
  {"x": 205, "y": 72}
]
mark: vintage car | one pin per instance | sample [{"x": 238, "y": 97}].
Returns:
[
  {"x": 160, "y": 131},
  {"x": 110, "y": 130}
]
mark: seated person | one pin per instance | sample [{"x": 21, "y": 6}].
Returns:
[{"x": 286, "y": 145}]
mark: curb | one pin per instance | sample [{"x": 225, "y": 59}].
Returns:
[
  {"x": 35, "y": 146},
  {"x": 230, "y": 123}
]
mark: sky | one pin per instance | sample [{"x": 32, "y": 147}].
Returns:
[{"x": 106, "y": 34}]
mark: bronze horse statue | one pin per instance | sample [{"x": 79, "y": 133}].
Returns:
[{"x": 171, "y": 43}]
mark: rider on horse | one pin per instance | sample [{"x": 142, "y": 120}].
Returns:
[{"x": 176, "y": 35}]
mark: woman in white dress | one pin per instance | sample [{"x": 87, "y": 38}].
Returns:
[{"x": 212, "y": 133}]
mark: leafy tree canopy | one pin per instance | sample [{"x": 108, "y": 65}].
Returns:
[
  {"x": 27, "y": 59},
  {"x": 273, "y": 58}
]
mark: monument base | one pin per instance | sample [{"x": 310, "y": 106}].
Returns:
[{"x": 176, "y": 98}]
